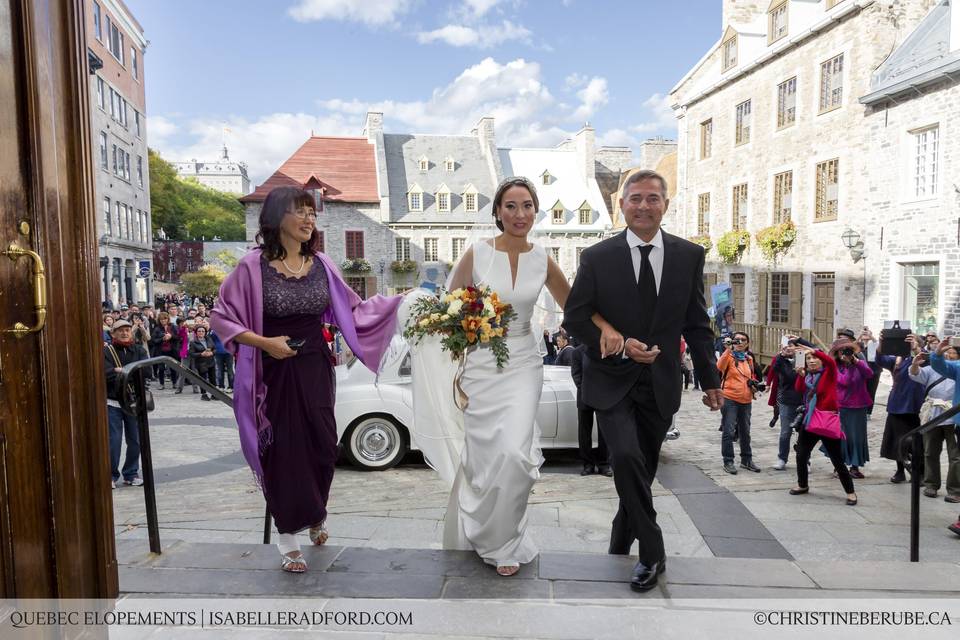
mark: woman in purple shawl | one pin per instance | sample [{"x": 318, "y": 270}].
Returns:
[{"x": 285, "y": 290}]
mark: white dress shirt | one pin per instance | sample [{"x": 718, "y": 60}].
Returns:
[{"x": 656, "y": 255}]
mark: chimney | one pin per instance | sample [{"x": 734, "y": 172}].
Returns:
[
  {"x": 585, "y": 140},
  {"x": 488, "y": 146},
  {"x": 741, "y": 11},
  {"x": 373, "y": 124}
]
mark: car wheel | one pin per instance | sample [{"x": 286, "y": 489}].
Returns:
[{"x": 375, "y": 442}]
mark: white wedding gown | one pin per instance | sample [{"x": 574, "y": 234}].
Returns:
[{"x": 493, "y": 456}]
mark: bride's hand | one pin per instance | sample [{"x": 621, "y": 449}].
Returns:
[{"x": 611, "y": 341}]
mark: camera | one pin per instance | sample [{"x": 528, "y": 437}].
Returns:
[
  {"x": 756, "y": 386},
  {"x": 847, "y": 351}
]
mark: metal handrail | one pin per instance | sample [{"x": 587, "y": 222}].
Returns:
[
  {"x": 914, "y": 438},
  {"x": 134, "y": 404}
]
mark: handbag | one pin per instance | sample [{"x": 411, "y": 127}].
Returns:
[
  {"x": 147, "y": 394},
  {"x": 825, "y": 424}
]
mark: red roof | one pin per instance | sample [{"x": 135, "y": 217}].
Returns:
[{"x": 344, "y": 167}]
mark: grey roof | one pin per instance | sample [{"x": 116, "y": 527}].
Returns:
[
  {"x": 924, "y": 57},
  {"x": 403, "y": 153}
]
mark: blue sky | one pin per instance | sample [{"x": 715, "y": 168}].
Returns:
[{"x": 275, "y": 70}]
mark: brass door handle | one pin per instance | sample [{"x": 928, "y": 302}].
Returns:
[{"x": 39, "y": 291}]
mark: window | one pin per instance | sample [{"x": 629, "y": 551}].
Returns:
[
  {"x": 730, "y": 52},
  {"x": 555, "y": 254},
  {"x": 107, "y": 227},
  {"x": 358, "y": 284},
  {"x": 925, "y": 168},
  {"x": 443, "y": 202},
  {"x": 140, "y": 171},
  {"x": 322, "y": 241},
  {"x": 136, "y": 121},
  {"x": 449, "y": 165},
  {"x": 579, "y": 251},
  {"x": 137, "y": 228},
  {"x": 780, "y": 298},
  {"x": 430, "y": 252},
  {"x": 97, "y": 26},
  {"x": 558, "y": 215},
  {"x": 457, "y": 245},
  {"x": 743, "y": 123},
  {"x": 103, "y": 150},
  {"x": 470, "y": 201},
  {"x": 126, "y": 166},
  {"x": 424, "y": 164},
  {"x": 831, "y": 83},
  {"x": 415, "y": 199},
  {"x": 116, "y": 220},
  {"x": 782, "y": 196},
  {"x": 828, "y": 188},
  {"x": 703, "y": 214},
  {"x": 786, "y": 103},
  {"x": 114, "y": 156},
  {"x": 133, "y": 64},
  {"x": 777, "y": 19},
  {"x": 127, "y": 222},
  {"x": 190, "y": 253},
  {"x": 739, "y": 220},
  {"x": 586, "y": 215},
  {"x": 354, "y": 244},
  {"x": 706, "y": 138},
  {"x": 546, "y": 177},
  {"x": 114, "y": 40},
  {"x": 100, "y": 91},
  {"x": 403, "y": 249},
  {"x": 920, "y": 290},
  {"x": 113, "y": 104}
]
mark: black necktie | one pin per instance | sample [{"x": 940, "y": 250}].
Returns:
[{"x": 647, "y": 286}]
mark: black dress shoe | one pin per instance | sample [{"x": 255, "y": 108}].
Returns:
[
  {"x": 587, "y": 470},
  {"x": 605, "y": 470},
  {"x": 645, "y": 576}
]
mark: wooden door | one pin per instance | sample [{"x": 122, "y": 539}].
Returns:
[
  {"x": 823, "y": 306},
  {"x": 56, "y": 517},
  {"x": 709, "y": 279}
]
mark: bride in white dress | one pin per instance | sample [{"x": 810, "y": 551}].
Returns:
[{"x": 490, "y": 453}]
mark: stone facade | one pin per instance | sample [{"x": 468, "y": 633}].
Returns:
[
  {"x": 222, "y": 174},
  {"x": 816, "y": 284},
  {"x": 116, "y": 46}
]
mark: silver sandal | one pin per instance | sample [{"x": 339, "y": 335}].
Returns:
[
  {"x": 287, "y": 562},
  {"x": 319, "y": 535}
]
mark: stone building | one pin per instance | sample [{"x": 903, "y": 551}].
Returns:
[
  {"x": 771, "y": 130},
  {"x": 911, "y": 238},
  {"x": 222, "y": 174},
  {"x": 173, "y": 258},
  {"x": 115, "y": 48}
]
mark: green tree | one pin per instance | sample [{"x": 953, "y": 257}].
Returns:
[
  {"x": 203, "y": 283},
  {"x": 187, "y": 210},
  {"x": 227, "y": 258}
]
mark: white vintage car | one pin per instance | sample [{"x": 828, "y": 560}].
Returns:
[{"x": 373, "y": 420}]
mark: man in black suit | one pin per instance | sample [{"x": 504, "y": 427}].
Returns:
[
  {"x": 594, "y": 461},
  {"x": 648, "y": 285}
]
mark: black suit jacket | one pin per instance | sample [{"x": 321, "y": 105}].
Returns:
[
  {"x": 576, "y": 371},
  {"x": 606, "y": 284}
]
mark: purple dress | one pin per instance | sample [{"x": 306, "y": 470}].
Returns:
[{"x": 298, "y": 465}]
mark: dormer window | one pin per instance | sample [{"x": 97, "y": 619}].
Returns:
[
  {"x": 470, "y": 199},
  {"x": 586, "y": 214},
  {"x": 449, "y": 165},
  {"x": 557, "y": 213},
  {"x": 415, "y": 198},
  {"x": 729, "y": 47},
  {"x": 443, "y": 199},
  {"x": 546, "y": 177},
  {"x": 423, "y": 163},
  {"x": 776, "y": 20}
]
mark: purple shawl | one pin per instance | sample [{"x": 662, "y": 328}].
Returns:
[{"x": 366, "y": 325}]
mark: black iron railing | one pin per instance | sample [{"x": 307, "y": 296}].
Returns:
[
  {"x": 133, "y": 403},
  {"x": 914, "y": 439}
]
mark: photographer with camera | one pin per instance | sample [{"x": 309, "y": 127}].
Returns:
[
  {"x": 903, "y": 404},
  {"x": 945, "y": 366},
  {"x": 739, "y": 385},
  {"x": 789, "y": 401},
  {"x": 853, "y": 375},
  {"x": 817, "y": 381}
]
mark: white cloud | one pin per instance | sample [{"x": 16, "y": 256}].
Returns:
[
  {"x": 160, "y": 130},
  {"x": 574, "y": 80},
  {"x": 662, "y": 115},
  {"x": 264, "y": 144},
  {"x": 480, "y": 7},
  {"x": 592, "y": 97},
  {"x": 483, "y": 36},
  {"x": 370, "y": 12}
]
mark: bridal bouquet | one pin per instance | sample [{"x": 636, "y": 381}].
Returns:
[{"x": 464, "y": 318}]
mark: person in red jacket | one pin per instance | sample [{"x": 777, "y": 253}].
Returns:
[{"x": 818, "y": 384}]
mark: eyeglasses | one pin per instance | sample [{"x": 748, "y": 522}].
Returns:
[{"x": 303, "y": 214}]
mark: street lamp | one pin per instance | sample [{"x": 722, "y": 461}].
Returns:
[{"x": 850, "y": 238}]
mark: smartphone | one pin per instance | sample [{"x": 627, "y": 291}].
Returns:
[
  {"x": 785, "y": 341},
  {"x": 296, "y": 345},
  {"x": 955, "y": 341},
  {"x": 799, "y": 360}
]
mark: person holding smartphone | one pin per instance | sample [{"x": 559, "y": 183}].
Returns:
[
  {"x": 903, "y": 406},
  {"x": 789, "y": 401},
  {"x": 853, "y": 374},
  {"x": 945, "y": 361}
]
